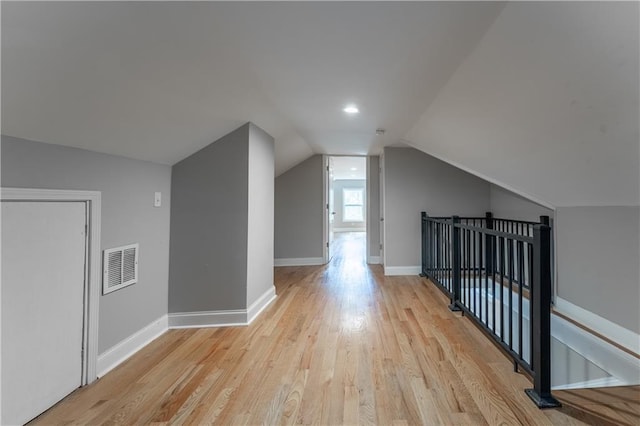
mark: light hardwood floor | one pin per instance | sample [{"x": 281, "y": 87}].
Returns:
[{"x": 342, "y": 344}]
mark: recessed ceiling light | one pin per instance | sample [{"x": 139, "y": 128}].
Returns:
[
  {"x": 354, "y": 169},
  {"x": 351, "y": 109}
]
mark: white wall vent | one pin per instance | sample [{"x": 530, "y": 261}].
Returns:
[{"x": 120, "y": 267}]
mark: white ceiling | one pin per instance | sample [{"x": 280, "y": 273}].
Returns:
[
  {"x": 348, "y": 167},
  {"x": 158, "y": 81},
  {"x": 547, "y": 105}
]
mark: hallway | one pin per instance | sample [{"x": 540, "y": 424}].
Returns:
[{"x": 342, "y": 344}]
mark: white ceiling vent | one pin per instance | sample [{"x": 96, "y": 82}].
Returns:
[{"x": 120, "y": 267}]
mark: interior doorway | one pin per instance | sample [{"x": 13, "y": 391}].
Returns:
[{"x": 346, "y": 195}]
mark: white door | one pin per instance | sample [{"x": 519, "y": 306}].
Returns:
[
  {"x": 329, "y": 214},
  {"x": 43, "y": 275},
  {"x": 332, "y": 207},
  {"x": 382, "y": 212}
]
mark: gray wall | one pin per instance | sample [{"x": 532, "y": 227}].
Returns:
[
  {"x": 261, "y": 214},
  {"x": 373, "y": 221},
  {"x": 128, "y": 216},
  {"x": 506, "y": 204},
  {"x": 208, "y": 267},
  {"x": 298, "y": 211},
  {"x": 415, "y": 182},
  {"x": 598, "y": 255},
  {"x": 338, "y": 186}
]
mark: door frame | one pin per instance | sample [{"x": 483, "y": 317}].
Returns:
[
  {"x": 383, "y": 234},
  {"x": 93, "y": 269},
  {"x": 325, "y": 199},
  {"x": 326, "y": 255}
]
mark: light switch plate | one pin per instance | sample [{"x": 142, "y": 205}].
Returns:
[{"x": 157, "y": 201}]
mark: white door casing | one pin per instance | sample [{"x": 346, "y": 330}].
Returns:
[
  {"x": 383, "y": 242},
  {"x": 326, "y": 215}
]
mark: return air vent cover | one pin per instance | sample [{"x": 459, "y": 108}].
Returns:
[{"x": 120, "y": 267}]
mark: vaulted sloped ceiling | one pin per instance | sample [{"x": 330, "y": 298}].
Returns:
[
  {"x": 547, "y": 105},
  {"x": 538, "y": 97},
  {"x": 157, "y": 80}
]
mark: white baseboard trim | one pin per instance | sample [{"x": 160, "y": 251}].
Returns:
[
  {"x": 401, "y": 270},
  {"x": 260, "y": 304},
  {"x": 623, "y": 366},
  {"x": 199, "y": 319},
  {"x": 119, "y": 353},
  {"x": 299, "y": 261},
  {"x": 595, "y": 383},
  {"x": 611, "y": 330},
  {"x": 373, "y": 260},
  {"x": 228, "y": 318}
]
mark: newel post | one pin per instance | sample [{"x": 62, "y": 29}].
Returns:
[
  {"x": 455, "y": 257},
  {"x": 425, "y": 236},
  {"x": 541, "y": 319}
]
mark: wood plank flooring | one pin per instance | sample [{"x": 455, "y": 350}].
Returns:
[{"x": 342, "y": 344}]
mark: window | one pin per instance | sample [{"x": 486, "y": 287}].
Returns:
[{"x": 353, "y": 205}]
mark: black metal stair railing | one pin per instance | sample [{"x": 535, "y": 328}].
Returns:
[{"x": 498, "y": 273}]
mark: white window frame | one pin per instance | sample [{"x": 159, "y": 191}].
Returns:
[{"x": 345, "y": 205}]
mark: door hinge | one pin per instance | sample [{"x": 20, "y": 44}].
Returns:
[
  {"x": 327, "y": 244},
  {"x": 327, "y": 206},
  {"x": 380, "y": 246}
]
